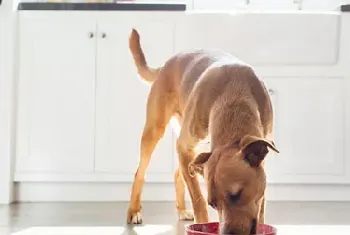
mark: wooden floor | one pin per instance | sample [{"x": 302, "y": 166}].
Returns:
[{"x": 159, "y": 218}]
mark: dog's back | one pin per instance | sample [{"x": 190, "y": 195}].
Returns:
[
  {"x": 185, "y": 74},
  {"x": 182, "y": 71}
]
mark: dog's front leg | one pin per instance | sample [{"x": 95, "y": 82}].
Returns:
[
  {"x": 262, "y": 206},
  {"x": 262, "y": 211},
  {"x": 180, "y": 197},
  {"x": 199, "y": 204}
]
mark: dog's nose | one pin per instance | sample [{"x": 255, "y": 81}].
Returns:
[
  {"x": 228, "y": 231},
  {"x": 232, "y": 231},
  {"x": 253, "y": 227}
]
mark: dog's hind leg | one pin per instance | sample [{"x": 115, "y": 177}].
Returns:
[{"x": 159, "y": 112}]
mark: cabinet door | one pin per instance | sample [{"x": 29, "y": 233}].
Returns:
[
  {"x": 122, "y": 97},
  {"x": 55, "y": 131},
  {"x": 309, "y": 129}
]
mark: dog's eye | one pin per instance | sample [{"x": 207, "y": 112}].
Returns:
[{"x": 235, "y": 197}]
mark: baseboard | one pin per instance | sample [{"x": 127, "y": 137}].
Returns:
[{"x": 111, "y": 192}]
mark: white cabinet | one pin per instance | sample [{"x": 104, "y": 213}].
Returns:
[
  {"x": 264, "y": 40},
  {"x": 56, "y": 87},
  {"x": 309, "y": 129},
  {"x": 81, "y": 105},
  {"x": 121, "y": 98}
]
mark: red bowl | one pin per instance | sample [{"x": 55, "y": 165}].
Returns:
[{"x": 213, "y": 229}]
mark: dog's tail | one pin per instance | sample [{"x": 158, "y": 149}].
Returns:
[{"x": 148, "y": 74}]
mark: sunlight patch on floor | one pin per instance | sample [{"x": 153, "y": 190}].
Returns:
[
  {"x": 312, "y": 229},
  {"x": 71, "y": 231},
  {"x": 152, "y": 229}
]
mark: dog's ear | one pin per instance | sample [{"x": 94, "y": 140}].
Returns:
[
  {"x": 255, "y": 149},
  {"x": 196, "y": 166}
]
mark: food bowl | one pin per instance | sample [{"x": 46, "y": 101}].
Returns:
[{"x": 213, "y": 229}]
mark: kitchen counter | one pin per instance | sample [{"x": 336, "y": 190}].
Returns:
[
  {"x": 345, "y": 8},
  {"x": 48, "y": 6}
]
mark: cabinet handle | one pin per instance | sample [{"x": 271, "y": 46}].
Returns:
[
  {"x": 271, "y": 91},
  {"x": 104, "y": 35},
  {"x": 91, "y": 35}
]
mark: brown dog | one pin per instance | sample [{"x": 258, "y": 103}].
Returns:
[{"x": 210, "y": 94}]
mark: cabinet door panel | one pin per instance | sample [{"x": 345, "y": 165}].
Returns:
[
  {"x": 55, "y": 129},
  {"x": 309, "y": 127}
]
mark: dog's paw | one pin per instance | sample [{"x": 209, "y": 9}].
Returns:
[
  {"x": 186, "y": 215},
  {"x": 134, "y": 217},
  {"x": 137, "y": 218}
]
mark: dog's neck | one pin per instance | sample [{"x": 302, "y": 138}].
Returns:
[{"x": 229, "y": 123}]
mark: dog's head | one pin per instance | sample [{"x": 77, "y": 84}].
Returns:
[{"x": 236, "y": 182}]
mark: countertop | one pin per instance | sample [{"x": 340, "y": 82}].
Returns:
[
  {"x": 49, "y": 6},
  {"x": 345, "y": 8}
]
